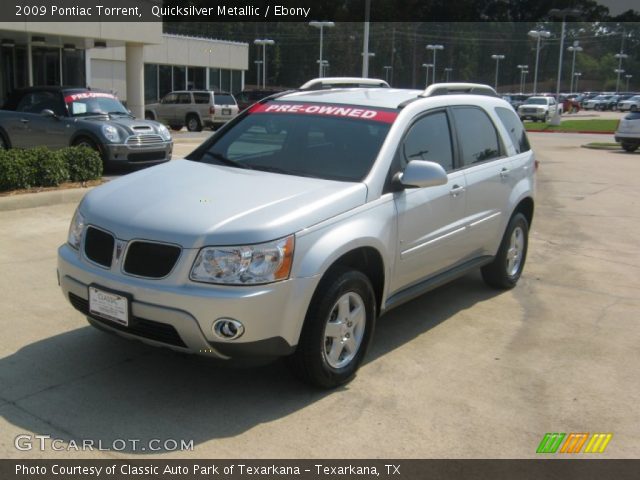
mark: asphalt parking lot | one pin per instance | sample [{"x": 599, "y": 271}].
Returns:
[{"x": 463, "y": 372}]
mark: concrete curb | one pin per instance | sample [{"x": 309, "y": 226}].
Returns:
[
  {"x": 588, "y": 132},
  {"x": 41, "y": 199}
]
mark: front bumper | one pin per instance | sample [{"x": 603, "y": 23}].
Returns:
[
  {"x": 180, "y": 315},
  {"x": 532, "y": 115},
  {"x": 131, "y": 154}
]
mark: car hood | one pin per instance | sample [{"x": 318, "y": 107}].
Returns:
[
  {"x": 195, "y": 204},
  {"x": 130, "y": 125}
]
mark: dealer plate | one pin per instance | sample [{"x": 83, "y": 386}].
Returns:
[
  {"x": 226, "y": 111},
  {"x": 109, "y": 305}
]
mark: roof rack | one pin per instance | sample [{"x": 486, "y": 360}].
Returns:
[
  {"x": 343, "y": 82},
  {"x": 458, "y": 88}
]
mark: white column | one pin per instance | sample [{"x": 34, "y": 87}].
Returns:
[
  {"x": 135, "y": 79},
  {"x": 87, "y": 68}
]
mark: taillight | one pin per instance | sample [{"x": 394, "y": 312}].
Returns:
[
  {"x": 212, "y": 110},
  {"x": 536, "y": 164}
]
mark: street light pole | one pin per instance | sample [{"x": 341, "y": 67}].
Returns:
[
  {"x": 321, "y": 26},
  {"x": 628, "y": 77},
  {"x": 522, "y": 69},
  {"x": 264, "y": 42},
  {"x": 577, "y": 75},
  {"x": 435, "y": 48},
  {"x": 497, "y": 58},
  {"x": 447, "y": 71},
  {"x": 575, "y": 49},
  {"x": 619, "y": 70},
  {"x": 365, "y": 41},
  {"x": 427, "y": 66},
  {"x": 538, "y": 35},
  {"x": 387, "y": 69},
  {"x": 258, "y": 63}
]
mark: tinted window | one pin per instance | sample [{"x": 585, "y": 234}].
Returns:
[
  {"x": 428, "y": 139},
  {"x": 223, "y": 99},
  {"x": 184, "y": 98},
  {"x": 169, "y": 99},
  {"x": 632, "y": 116},
  {"x": 515, "y": 128},
  {"x": 201, "y": 97},
  {"x": 476, "y": 134},
  {"x": 37, "y": 101}
]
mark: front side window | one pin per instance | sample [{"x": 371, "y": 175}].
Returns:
[
  {"x": 333, "y": 142},
  {"x": 429, "y": 138},
  {"x": 477, "y": 135}
]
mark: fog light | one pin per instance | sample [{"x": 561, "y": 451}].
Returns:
[{"x": 228, "y": 328}]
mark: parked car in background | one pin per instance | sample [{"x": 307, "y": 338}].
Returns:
[
  {"x": 58, "y": 117},
  {"x": 628, "y": 132},
  {"x": 569, "y": 104},
  {"x": 246, "y": 98},
  {"x": 291, "y": 231},
  {"x": 632, "y": 103},
  {"x": 540, "y": 108},
  {"x": 599, "y": 102},
  {"x": 515, "y": 99},
  {"x": 194, "y": 109}
]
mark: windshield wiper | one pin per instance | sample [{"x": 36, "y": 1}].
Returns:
[
  {"x": 227, "y": 161},
  {"x": 121, "y": 113}
]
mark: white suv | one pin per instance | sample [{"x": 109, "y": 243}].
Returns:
[
  {"x": 292, "y": 228},
  {"x": 538, "y": 109}
]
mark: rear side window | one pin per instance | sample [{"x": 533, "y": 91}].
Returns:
[
  {"x": 223, "y": 99},
  {"x": 515, "y": 128},
  {"x": 184, "y": 98},
  {"x": 35, "y": 102},
  {"x": 477, "y": 135},
  {"x": 632, "y": 116},
  {"x": 201, "y": 97}
]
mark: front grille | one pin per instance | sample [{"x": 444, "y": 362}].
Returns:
[
  {"x": 152, "y": 260},
  {"x": 98, "y": 246},
  {"x": 142, "y": 140},
  {"x": 146, "y": 156},
  {"x": 160, "y": 332},
  {"x": 530, "y": 110}
]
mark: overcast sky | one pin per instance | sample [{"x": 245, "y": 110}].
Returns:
[{"x": 618, "y": 6}]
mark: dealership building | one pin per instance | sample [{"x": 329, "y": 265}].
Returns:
[{"x": 134, "y": 60}]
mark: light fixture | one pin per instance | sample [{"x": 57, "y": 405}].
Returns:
[
  {"x": 99, "y": 44},
  {"x": 37, "y": 40},
  {"x": 8, "y": 42}
]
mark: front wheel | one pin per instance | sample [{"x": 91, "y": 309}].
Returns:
[
  {"x": 506, "y": 268},
  {"x": 630, "y": 147},
  {"x": 337, "y": 330}
]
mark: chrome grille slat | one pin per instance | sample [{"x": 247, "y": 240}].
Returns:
[{"x": 143, "y": 140}]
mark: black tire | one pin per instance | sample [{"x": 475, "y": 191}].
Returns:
[
  {"x": 193, "y": 123},
  {"x": 149, "y": 115},
  {"x": 630, "y": 147},
  {"x": 311, "y": 362},
  {"x": 4, "y": 145},
  {"x": 175, "y": 127},
  {"x": 501, "y": 273},
  {"x": 546, "y": 117},
  {"x": 86, "y": 142}
]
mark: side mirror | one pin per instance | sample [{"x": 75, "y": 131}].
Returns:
[
  {"x": 48, "y": 113},
  {"x": 421, "y": 174}
]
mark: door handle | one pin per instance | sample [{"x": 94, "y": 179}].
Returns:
[
  {"x": 504, "y": 173},
  {"x": 24, "y": 120},
  {"x": 456, "y": 190}
]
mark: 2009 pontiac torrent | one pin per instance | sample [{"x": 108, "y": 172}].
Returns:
[{"x": 298, "y": 223}]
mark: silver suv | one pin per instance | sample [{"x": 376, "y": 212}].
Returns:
[
  {"x": 194, "y": 109},
  {"x": 291, "y": 229}
]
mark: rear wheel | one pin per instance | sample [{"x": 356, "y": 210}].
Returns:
[
  {"x": 175, "y": 127},
  {"x": 193, "y": 123},
  {"x": 506, "y": 268},
  {"x": 630, "y": 147},
  {"x": 337, "y": 329}
]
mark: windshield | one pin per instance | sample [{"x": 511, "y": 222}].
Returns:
[
  {"x": 93, "y": 103},
  {"x": 333, "y": 142},
  {"x": 536, "y": 101}
]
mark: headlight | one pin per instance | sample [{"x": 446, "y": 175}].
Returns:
[
  {"x": 164, "y": 132},
  {"x": 111, "y": 133},
  {"x": 75, "y": 230},
  {"x": 245, "y": 265}
]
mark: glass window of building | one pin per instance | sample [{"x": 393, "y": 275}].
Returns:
[
  {"x": 165, "y": 80},
  {"x": 73, "y": 71},
  {"x": 214, "y": 79},
  {"x": 225, "y": 80},
  {"x": 150, "y": 82},
  {"x": 46, "y": 65},
  {"x": 179, "y": 78},
  {"x": 196, "y": 80}
]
